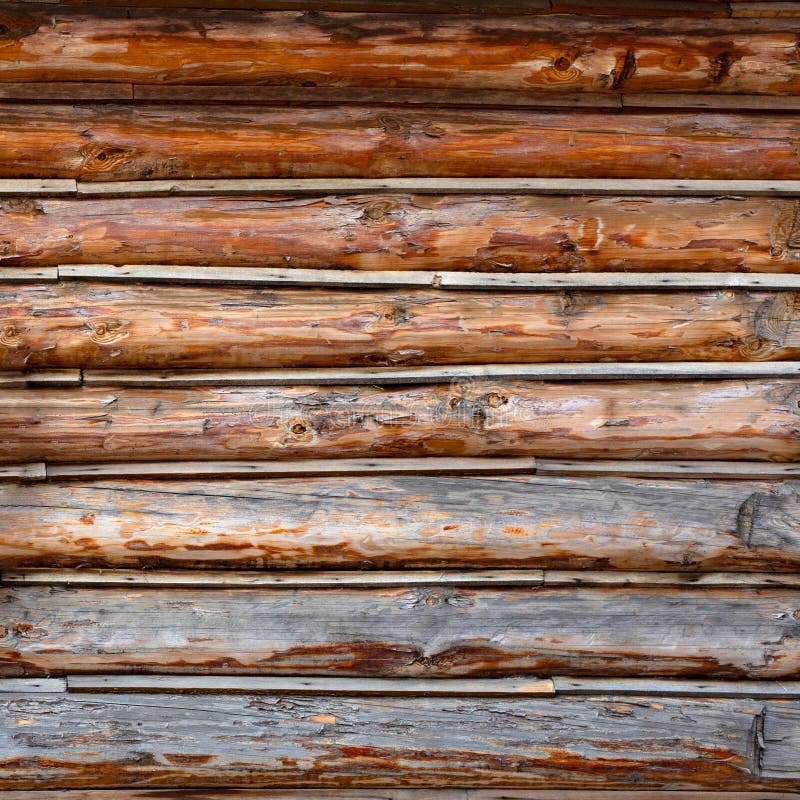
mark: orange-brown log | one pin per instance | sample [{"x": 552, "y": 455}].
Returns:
[
  {"x": 123, "y": 142},
  {"x": 312, "y": 48},
  {"x": 487, "y": 233},
  {"x": 398, "y": 522},
  {"x": 757, "y": 420},
  {"x": 106, "y": 325}
]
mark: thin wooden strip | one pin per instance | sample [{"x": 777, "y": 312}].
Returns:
[
  {"x": 594, "y": 54},
  {"x": 22, "y": 472},
  {"x": 754, "y": 420},
  {"x": 247, "y": 276},
  {"x": 403, "y": 232},
  {"x": 37, "y": 187},
  {"x": 50, "y": 91},
  {"x": 745, "y": 470},
  {"x": 385, "y": 687},
  {"x": 38, "y": 378},
  {"x": 293, "y": 469},
  {"x": 700, "y": 580},
  {"x": 388, "y": 794},
  {"x": 289, "y": 580},
  {"x": 327, "y": 741},
  {"x": 713, "y": 102},
  {"x": 407, "y": 631},
  {"x": 388, "y": 376},
  {"x": 443, "y": 185},
  {"x": 33, "y": 685},
  {"x": 642, "y": 687},
  {"x": 94, "y": 516},
  {"x": 765, "y": 9},
  {"x": 28, "y": 274}
]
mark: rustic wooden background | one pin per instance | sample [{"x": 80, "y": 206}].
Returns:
[{"x": 400, "y": 400}]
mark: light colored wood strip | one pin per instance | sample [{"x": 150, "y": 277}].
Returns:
[
  {"x": 305, "y": 579},
  {"x": 37, "y": 187},
  {"x": 746, "y": 470},
  {"x": 28, "y": 274},
  {"x": 247, "y": 275},
  {"x": 300, "y": 468},
  {"x": 641, "y": 687},
  {"x": 12, "y": 380},
  {"x": 53, "y": 377},
  {"x": 682, "y": 579},
  {"x": 32, "y": 685},
  {"x": 567, "y": 186},
  {"x": 486, "y": 687},
  {"x": 22, "y": 472},
  {"x": 406, "y": 375}
]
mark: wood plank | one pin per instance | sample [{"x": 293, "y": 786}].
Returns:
[
  {"x": 108, "y": 142},
  {"x": 52, "y": 91},
  {"x": 402, "y": 232},
  {"x": 37, "y": 378},
  {"x": 522, "y": 53},
  {"x": 409, "y": 631},
  {"x": 716, "y": 102},
  {"x": 387, "y": 687},
  {"x": 394, "y": 376},
  {"x": 22, "y": 472},
  {"x": 37, "y": 187},
  {"x": 732, "y": 580},
  {"x": 754, "y": 421},
  {"x": 74, "y": 325},
  {"x": 745, "y": 470},
  {"x": 32, "y": 685},
  {"x": 765, "y": 690},
  {"x": 395, "y": 522},
  {"x": 301, "y": 741},
  {"x": 28, "y": 274}
]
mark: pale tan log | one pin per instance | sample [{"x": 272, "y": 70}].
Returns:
[
  {"x": 22, "y": 472},
  {"x": 787, "y": 690},
  {"x": 37, "y": 187},
  {"x": 746, "y": 470},
  {"x": 755, "y": 420},
  {"x": 730, "y": 580},
  {"x": 32, "y": 685},
  {"x": 28, "y": 274}
]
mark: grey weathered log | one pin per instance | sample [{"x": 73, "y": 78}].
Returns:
[
  {"x": 409, "y": 631},
  {"x": 402, "y": 521},
  {"x": 119, "y": 740}
]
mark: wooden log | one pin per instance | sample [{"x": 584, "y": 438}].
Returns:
[
  {"x": 786, "y": 690},
  {"x": 118, "y": 740},
  {"x": 388, "y": 794},
  {"x": 403, "y": 522},
  {"x": 96, "y": 325},
  {"x": 755, "y": 420},
  {"x": 123, "y": 142},
  {"x": 408, "y": 631},
  {"x": 487, "y": 233},
  {"x": 524, "y": 53}
]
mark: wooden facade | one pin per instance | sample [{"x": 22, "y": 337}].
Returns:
[{"x": 400, "y": 400}]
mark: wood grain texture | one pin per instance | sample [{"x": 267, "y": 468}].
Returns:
[
  {"x": 524, "y": 53},
  {"x": 394, "y": 522},
  {"x": 182, "y": 741},
  {"x": 121, "y": 142},
  {"x": 390, "y": 794},
  {"x": 408, "y": 631},
  {"x": 97, "y": 325},
  {"x": 487, "y": 233},
  {"x": 756, "y": 421}
]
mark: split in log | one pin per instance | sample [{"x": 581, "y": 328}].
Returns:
[
  {"x": 524, "y": 53},
  {"x": 121, "y": 142},
  {"x": 96, "y": 325},
  {"x": 394, "y": 522},
  {"x": 757, "y": 420},
  {"x": 410, "y": 631},
  {"x": 118, "y": 740},
  {"x": 487, "y": 233}
]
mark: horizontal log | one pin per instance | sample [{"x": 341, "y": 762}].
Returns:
[
  {"x": 402, "y": 232},
  {"x": 96, "y": 325},
  {"x": 406, "y": 631},
  {"x": 117, "y": 740},
  {"x": 755, "y": 420},
  {"x": 25, "y": 472},
  {"x": 401, "y": 522},
  {"x": 123, "y": 142},
  {"x": 37, "y": 378},
  {"x": 746, "y": 470},
  {"x": 388, "y": 794},
  {"x": 30, "y": 685},
  {"x": 524, "y": 53},
  {"x": 787, "y": 690}
]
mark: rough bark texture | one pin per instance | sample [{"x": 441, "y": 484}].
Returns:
[
  {"x": 396, "y": 522},
  {"x": 49, "y": 741},
  {"x": 108, "y": 142},
  {"x": 490, "y": 233},
  {"x": 151, "y": 326},
  {"x": 407, "y": 631},
  {"x": 404, "y": 51},
  {"x": 757, "y": 420}
]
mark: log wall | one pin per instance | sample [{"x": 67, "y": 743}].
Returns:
[{"x": 399, "y": 400}]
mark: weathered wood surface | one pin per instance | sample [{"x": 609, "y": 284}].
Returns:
[
  {"x": 120, "y": 142},
  {"x": 409, "y": 631},
  {"x": 111, "y": 740},
  {"x": 756, "y": 421},
  {"x": 492, "y": 233},
  {"x": 393, "y": 522},
  {"x": 96, "y": 325},
  {"x": 524, "y": 53},
  {"x": 389, "y": 794}
]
